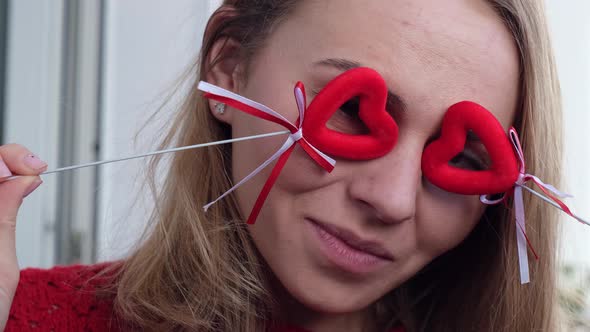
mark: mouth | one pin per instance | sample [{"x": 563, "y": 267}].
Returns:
[{"x": 347, "y": 250}]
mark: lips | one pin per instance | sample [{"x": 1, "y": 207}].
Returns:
[{"x": 355, "y": 241}]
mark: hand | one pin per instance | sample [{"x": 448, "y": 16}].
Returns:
[{"x": 14, "y": 160}]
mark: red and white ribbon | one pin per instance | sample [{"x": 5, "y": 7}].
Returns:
[
  {"x": 549, "y": 190},
  {"x": 264, "y": 112}
]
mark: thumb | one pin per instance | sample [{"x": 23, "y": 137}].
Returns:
[{"x": 12, "y": 193}]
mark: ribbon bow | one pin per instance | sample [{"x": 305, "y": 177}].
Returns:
[
  {"x": 259, "y": 110},
  {"x": 549, "y": 190}
]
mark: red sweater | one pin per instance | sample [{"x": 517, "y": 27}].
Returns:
[{"x": 64, "y": 299}]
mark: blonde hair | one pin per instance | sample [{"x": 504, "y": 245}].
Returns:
[{"x": 202, "y": 272}]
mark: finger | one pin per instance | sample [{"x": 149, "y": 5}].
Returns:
[
  {"x": 4, "y": 170},
  {"x": 11, "y": 197},
  {"x": 21, "y": 161},
  {"x": 12, "y": 193}
]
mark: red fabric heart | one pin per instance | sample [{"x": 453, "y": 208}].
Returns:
[
  {"x": 371, "y": 89},
  {"x": 459, "y": 119}
]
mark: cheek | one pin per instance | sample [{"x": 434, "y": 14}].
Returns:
[
  {"x": 300, "y": 174},
  {"x": 250, "y": 154},
  {"x": 445, "y": 220},
  {"x": 247, "y": 155}
]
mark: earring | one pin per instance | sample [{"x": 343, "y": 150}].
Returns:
[{"x": 220, "y": 108}]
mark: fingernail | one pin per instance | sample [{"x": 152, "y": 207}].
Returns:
[
  {"x": 35, "y": 163},
  {"x": 32, "y": 187},
  {"x": 4, "y": 171}
]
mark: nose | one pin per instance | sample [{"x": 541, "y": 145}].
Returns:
[{"x": 386, "y": 188}]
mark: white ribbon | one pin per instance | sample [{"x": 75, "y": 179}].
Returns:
[
  {"x": 213, "y": 89},
  {"x": 292, "y": 139},
  {"x": 521, "y": 242},
  {"x": 523, "y": 177}
]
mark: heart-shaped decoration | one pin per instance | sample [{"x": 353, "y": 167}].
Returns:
[
  {"x": 459, "y": 119},
  {"x": 370, "y": 88}
]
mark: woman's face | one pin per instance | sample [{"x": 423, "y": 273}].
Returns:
[{"x": 431, "y": 54}]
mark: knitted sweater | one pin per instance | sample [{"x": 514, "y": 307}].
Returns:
[{"x": 64, "y": 298}]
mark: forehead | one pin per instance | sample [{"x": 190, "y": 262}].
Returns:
[{"x": 432, "y": 53}]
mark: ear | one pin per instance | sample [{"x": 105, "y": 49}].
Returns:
[{"x": 223, "y": 62}]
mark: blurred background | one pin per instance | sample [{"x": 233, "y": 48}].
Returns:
[{"x": 79, "y": 79}]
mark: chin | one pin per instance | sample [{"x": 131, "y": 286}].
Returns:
[{"x": 332, "y": 299}]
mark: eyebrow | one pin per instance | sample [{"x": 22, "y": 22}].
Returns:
[{"x": 393, "y": 101}]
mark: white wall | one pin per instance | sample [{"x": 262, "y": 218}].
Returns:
[
  {"x": 32, "y": 108},
  {"x": 571, "y": 36},
  {"x": 148, "y": 46}
]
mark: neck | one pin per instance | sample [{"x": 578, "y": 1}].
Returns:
[{"x": 331, "y": 322}]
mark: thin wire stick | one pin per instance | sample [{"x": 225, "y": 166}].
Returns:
[
  {"x": 552, "y": 203},
  {"x": 233, "y": 140},
  {"x": 165, "y": 151}
]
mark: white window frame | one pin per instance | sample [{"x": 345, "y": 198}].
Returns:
[{"x": 51, "y": 107}]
